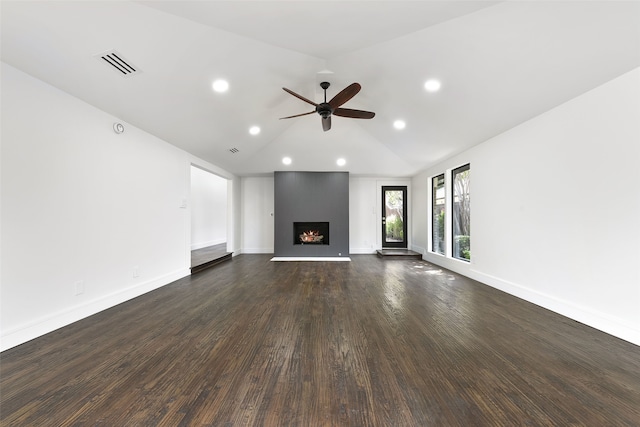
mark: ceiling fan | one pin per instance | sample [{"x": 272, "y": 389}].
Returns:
[{"x": 326, "y": 109}]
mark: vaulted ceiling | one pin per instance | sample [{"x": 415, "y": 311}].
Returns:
[{"x": 499, "y": 64}]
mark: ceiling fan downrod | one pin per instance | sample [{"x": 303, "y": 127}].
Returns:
[{"x": 324, "y": 109}]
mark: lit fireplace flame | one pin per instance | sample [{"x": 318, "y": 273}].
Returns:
[{"x": 311, "y": 236}]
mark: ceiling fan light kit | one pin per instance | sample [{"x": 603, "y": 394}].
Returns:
[{"x": 333, "y": 107}]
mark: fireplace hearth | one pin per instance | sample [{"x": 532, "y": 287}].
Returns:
[{"x": 310, "y": 233}]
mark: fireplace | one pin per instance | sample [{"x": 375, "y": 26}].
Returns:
[{"x": 310, "y": 233}]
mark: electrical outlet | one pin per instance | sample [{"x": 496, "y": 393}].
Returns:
[
  {"x": 79, "y": 287},
  {"x": 136, "y": 271}
]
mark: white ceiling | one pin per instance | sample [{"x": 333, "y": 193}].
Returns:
[{"x": 500, "y": 64}]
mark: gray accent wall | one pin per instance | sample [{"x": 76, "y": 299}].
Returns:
[{"x": 311, "y": 197}]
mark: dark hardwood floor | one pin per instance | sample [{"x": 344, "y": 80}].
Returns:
[{"x": 370, "y": 342}]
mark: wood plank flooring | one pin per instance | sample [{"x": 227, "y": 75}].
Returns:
[{"x": 369, "y": 342}]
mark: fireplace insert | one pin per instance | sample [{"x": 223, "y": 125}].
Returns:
[{"x": 310, "y": 233}]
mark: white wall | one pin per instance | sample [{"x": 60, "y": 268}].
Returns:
[
  {"x": 365, "y": 211},
  {"x": 555, "y": 204},
  {"x": 364, "y": 208},
  {"x": 208, "y": 209},
  {"x": 257, "y": 214},
  {"x": 89, "y": 218}
]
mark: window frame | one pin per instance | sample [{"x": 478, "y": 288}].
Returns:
[
  {"x": 453, "y": 235},
  {"x": 434, "y": 181}
]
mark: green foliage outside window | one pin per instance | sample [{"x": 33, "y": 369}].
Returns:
[
  {"x": 395, "y": 229},
  {"x": 463, "y": 245}
]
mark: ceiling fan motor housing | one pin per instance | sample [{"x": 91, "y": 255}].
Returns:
[{"x": 324, "y": 110}]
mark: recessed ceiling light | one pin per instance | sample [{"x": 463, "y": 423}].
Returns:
[
  {"x": 399, "y": 124},
  {"x": 341, "y": 162},
  {"x": 220, "y": 85},
  {"x": 286, "y": 160},
  {"x": 432, "y": 85},
  {"x": 254, "y": 130}
]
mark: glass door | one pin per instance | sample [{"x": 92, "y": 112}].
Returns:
[{"x": 394, "y": 216}]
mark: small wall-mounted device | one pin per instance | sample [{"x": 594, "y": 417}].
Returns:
[{"x": 118, "y": 128}]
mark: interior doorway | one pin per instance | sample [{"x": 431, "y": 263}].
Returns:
[
  {"x": 208, "y": 217},
  {"x": 394, "y": 216}
]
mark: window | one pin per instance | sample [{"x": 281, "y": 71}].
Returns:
[
  {"x": 461, "y": 211},
  {"x": 437, "y": 211}
]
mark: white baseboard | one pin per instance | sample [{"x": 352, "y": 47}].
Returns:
[
  {"x": 598, "y": 320},
  {"x": 602, "y": 321},
  {"x": 362, "y": 251},
  {"x": 257, "y": 250},
  {"x": 50, "y": 323}
]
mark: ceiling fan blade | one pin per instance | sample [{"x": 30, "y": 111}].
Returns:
[
  {"x": 299, "y": 96},
  {"x": 298, "y": 115},
  {"x": 354, "y": 114},
  {"x": 345, "y": 94},
  {"x": 326, "y": 123}
]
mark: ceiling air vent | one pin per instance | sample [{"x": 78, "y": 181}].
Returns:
[
  {"x": 234, "y": 150},
  {"x": 117, "y": 62}
]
